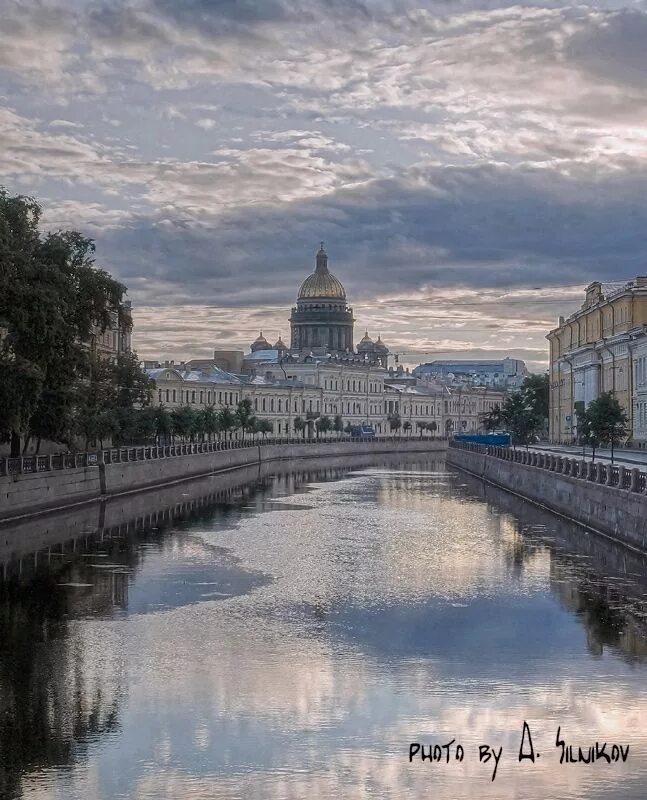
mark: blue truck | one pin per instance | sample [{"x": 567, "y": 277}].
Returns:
[
  {"x": 496, "y": 439},
  {"x": 363, "y": 431}
]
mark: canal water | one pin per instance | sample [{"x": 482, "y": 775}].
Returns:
[{"x": 295, "y": 634}]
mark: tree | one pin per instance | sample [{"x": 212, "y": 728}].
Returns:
[
  {"x": 163, "y": 424},
  {"x": 491, "y": 420},
  {"x": 422, "y": 427},
  {"x": 210, "y": 421},
  {"x": 406, "y": 426},
  {"x": 536, "y": 393},
  {"x": 183, "y": 420},
  {"x": 323, "y": 425},
  {"x": 338, "y": 425},
  {"x": 264, "y": 426},
  {"x": 244, "y": 415},
  {"x": 432, "y": 427},
  {"x": 348, "y": 429},
  {"x": 520, "y": 419},
  {"x": 300, "y": 426},
  {"x": 51, "y": 299},
  {"x": 227, "y": 421},
  {"x": 607, "y": 421},
  {"x": 585, "y": 435},
  {"x": 395, "y": 423}
]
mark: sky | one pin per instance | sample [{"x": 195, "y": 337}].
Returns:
[{"x": 470, "y": 164}]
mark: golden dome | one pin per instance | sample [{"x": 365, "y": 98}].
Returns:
[
  {"x": 321, "y": 284},
  {"x": 318, "y": 285}
]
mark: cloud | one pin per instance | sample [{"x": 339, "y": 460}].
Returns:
[{"x": 208, "y": 146}]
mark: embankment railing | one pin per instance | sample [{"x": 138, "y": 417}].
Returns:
[
  {"x": 120, "y": 455},
  {"x": 617, "y": 475}
]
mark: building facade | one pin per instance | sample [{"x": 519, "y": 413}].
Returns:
[
  {"x": 322, "y": 320},
  {"x": 506, "y": 373},
  {"x": 320, "y": 375},
  {"x": 602, "y": 347}
]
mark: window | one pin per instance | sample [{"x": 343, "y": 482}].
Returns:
[
  {"x": 167, "y": 395},
  {"x": 173, "y": 395},
  {"x": 193, "y": 396}
]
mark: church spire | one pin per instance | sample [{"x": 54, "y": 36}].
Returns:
[{"x": 322, "y": 260}]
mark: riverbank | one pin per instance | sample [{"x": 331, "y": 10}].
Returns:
[
  {"x": 48, "y": 483},
  {"x": 610, "y": 500}
]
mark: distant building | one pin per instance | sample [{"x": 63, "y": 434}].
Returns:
[
  {"x": 507, "y": 373},
  {"x": 322, "y": 374},
  {"x": 602, "y": 347},
  {"x": 116, "y": 339}
]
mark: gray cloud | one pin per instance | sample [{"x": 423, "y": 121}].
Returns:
[{"x": 438, "y": 146}]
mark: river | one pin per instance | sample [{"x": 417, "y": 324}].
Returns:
[{"x": 292, "y": 634}]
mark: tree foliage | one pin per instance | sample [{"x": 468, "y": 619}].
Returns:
[
  {"x": 52, "y": 298},
  {"x": 604, "y": 422}
]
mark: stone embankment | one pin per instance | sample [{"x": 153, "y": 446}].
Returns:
[
  {"x": 609, "y": 499},
  {"x": 42, "y": 483}
]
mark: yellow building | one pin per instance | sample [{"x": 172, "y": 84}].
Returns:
[{"x": 601, "y": 348}]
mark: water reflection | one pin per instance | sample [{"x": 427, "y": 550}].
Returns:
[{"x": 287, "y": 634}]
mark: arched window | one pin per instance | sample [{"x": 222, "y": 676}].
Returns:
[
  {"x": 193, "y": 396},
  {"x": 173, "y": 395},
  {"x": 167, "y": 395},
  {"x": 272, "y": 404},
  {"x": 263, "y": 404}
]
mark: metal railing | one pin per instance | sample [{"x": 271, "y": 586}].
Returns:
[
  {"x": 621, "y": 477},
  {"x": 120, "y": 455}
]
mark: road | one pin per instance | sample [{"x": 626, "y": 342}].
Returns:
[{"x": 634, "y": 458}]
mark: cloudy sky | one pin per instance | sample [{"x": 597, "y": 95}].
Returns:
[{"x": 470, "y": 164}]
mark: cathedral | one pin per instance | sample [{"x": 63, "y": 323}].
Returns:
[{"x": 321, "y": 323}]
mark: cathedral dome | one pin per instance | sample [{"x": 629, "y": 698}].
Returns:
[
  {"x": 260, "y": 343},
  {"x": 379, "y": 345},
  {"x": 366, "y": 344},
  {"x": 321, "y": 284}
]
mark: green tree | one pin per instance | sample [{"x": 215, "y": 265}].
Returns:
[
  {"x": 491, "y": 420},
  {"x": 210, "y": 421},
  {"x": 520, "y": 419},
  {"x": 51, "y": 299},
  {"x": 244, "y": 415},
  {"x": 183, "y": 420},
  {"x": 585, "y": 435},
  {"x": 606, "y": 420},
  {"x": 536, "y": 393},
  {"x": 395, "y": 423},
  {"x": 264, "y": 426},
  {"x": 432, "y": 427},
  {"x": 407, "y": 426},
  {"x": 227, "y": 421},
  {"x": 133, "y": 387},
  {"x": 163, "y": 424},
  {"x": 422, "y": 427},
  {"x": 348, "y": 429},
  {"x": 338, "y": 425},
  {"x": 300, "y": 426},
  {"x": 323, "y": 425}
]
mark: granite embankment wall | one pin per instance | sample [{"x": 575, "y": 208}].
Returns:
[
  {"x": 39, "y": 484},
  {"x": 606, "y": 499}
]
